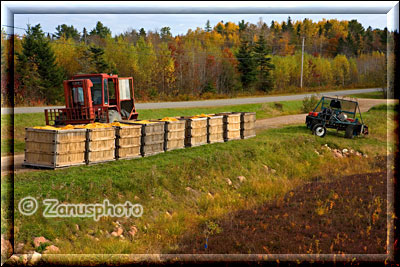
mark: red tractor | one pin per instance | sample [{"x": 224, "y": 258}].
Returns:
[{"x": 95, "y": 98}]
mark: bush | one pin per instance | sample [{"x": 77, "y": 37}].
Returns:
[{"x": 309, "y": 103}]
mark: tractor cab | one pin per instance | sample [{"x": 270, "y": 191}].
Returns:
[{"x": 95, "y": 97}]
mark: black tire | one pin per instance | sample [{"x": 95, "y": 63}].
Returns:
[
  {"x": 113, "y": 116},
  {"x": 349, "y": 132},
  {"x": 319, "y": 130}
]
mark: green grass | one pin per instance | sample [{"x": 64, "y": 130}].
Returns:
[
  {"x": 159, "y": 184},
  {"x": 264, "y": 110},
  {"x": 373, "y": 95}
]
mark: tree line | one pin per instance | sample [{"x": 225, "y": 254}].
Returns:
[{"x": 226, "y": 59}]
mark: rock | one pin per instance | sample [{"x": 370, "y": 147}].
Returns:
[
  {"x": 51, "y": 250},
  {"x": 326, "y": 145},
  {"x": 273, "y": 171},
  {"x": 35, "y": 258},
  {"x": 358, "y": 154},
  {"x": 337, "y": 154},
  {"x": 198, "y": 177},
  {"x": 96, "y": 239},
  {"x": 14, "y": 259},
  {"x": 210, "y": 195},
  {"x": 229, "y": 181},
  {"x": 6, "y": 247},
  {"x": 316, "y": 152},
  {"x": 168, "y": 214},
  {"x": 115, "y": 224},
  {"x": 365, "y": 156},
  {"x": 133, "y": 231},
  {"x": 136, "y": 198},
  {"x": 120, "y": 231},
  {"x": 19, "y": 248},
  {"x": 241, "y": 179},
  {"x": 76, "y": 227},
  {"x": 188, "y": 189},
  {"x": 24, "y": 259},
  {"x": 114, "y": 234},
  {"x": 39, "y": 240},
  {"x": 122, "y": 237},
  {"x": 266, "y": 168},
  {"x": 351, "y": 151},
  {"x": 345, "y": 150}
]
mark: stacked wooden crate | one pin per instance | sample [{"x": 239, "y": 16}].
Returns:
[
  {"x": 53, "y": 148},
  {"x": 215, "y": 129},
  {"x": 100, "y": 145},
  {"x": 196, "y": 131},
  {"x": 152, "y": 140},
  {"x": 247, "y": 124},
  {"x": 231, "y": 125},
  {"x": 128, "y": 141},
  {"x": 174, "y": 136}
]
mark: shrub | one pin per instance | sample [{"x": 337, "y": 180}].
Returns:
[{"x": 309, "y": 103}]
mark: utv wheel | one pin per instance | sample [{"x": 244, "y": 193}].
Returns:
[
  {"x": 349, "y": 132},
  {"x": 319, "y": 130},
  {"x": 113, "y": 115}
]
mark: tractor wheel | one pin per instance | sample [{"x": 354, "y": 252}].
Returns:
[
  {"x": 319, "y": 130},
  {"x": 349, "y": 132},
  {"x": 113, "y": 115}
]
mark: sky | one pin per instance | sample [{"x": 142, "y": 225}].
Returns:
[{"x": 179, "y": 23}]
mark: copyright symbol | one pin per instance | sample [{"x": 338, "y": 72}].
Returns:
[{"x": 27, "y": 206}]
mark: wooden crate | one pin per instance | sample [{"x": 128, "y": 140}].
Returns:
[
  {"x": 101, "y": 133},
  {"x": 174, "y": 144},
  {"x": 196, "y": 131},
  {"x": 247, "y": 124},
  {"x": 215, "y": 129},
  {"x": 152, "y": 148},
  {"x": 42, "y": 147},
  {"x": 100, "y": 145},
  {"x": 195, "y": 140},
  {"x": 128, "y": 141},
  {"x": 128, "y": 152},
  {"x": 152, "y": 138},
  {"x": 248, "y": 133},
  {"x": 54, "y": 148},
  {"x": 216, "y": 138},
  {"x": 54, "y": 160},
  {"x": 100, "y": 156},
  {"x": 232, "y": 135},
  {"x": 54, "y": 136},
  {"x": 174, "y": 134},
  {"x": 231, "y": 125}
]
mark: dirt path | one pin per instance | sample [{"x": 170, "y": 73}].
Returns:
[{"x": 276, "y": 122}]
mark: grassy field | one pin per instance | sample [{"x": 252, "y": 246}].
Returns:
[
  {"x": 372, "y": 95},
  {"x": 183, "y": 189},
  {"x": 265, "y": 110}
]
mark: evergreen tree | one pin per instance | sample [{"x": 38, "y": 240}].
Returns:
[
  {"x": 84, "y": 35},
  {"x": 247, "y": 65},
  {"x": 40, "y": 75},
  {"x": 67, "y": 32},
  {"x": 242, "y": 26},
  {"x": 264, "y": 65},
  {"x": 208, "y": 26},
  {"x": 165, "y": 33},
  {"x": 101, "y": 30},
  {"x": 142, "y": 33},
  {"x": 97, "y": 60}
]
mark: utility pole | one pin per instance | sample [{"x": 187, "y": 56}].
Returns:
[{"x": 302, "y": 59}]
